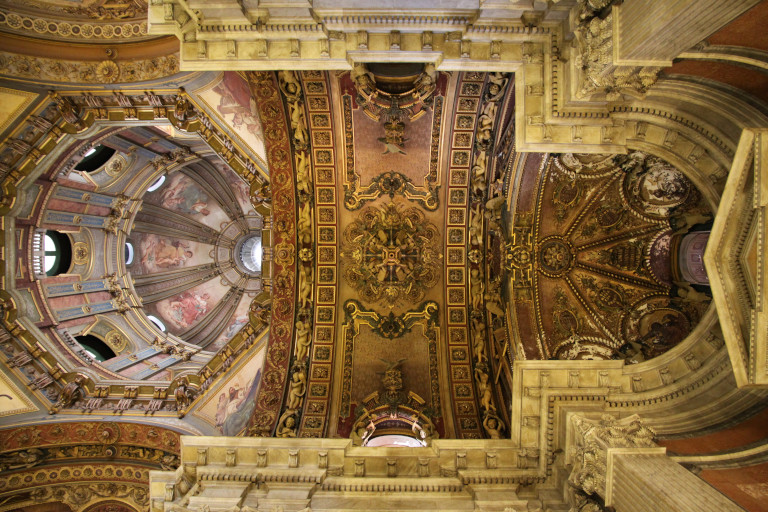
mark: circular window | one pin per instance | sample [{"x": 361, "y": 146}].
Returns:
[{"x": 250, "y": 253}]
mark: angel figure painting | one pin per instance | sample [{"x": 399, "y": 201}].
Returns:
[
  {"x": 188, "y": 307},
  {"x": 236, "y": 322},
  {"x": 232, "y": 405},
  {"x": 184, "y": 310},
  {"x": 183, "y": 195}
]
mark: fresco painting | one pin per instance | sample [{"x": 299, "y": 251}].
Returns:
[
  {"x": 158, "y": 253},
  {"x": 230, "y": 408},
  {"x": 231, "y": 99},
  {"x": 239, "y": 188},
  {"x": 236, "y": 322},
  {"x": 182, "y": 194},
  {"x": 184, "y": 310}
]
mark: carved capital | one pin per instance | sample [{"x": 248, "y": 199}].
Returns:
[
  {"x": 591, "y": 441},
  {"x": 598, "y": 76}
]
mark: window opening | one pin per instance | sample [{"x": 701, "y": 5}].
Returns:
[
  {"x": 160, "y": 325},
  {"x": 57, "y": 253},
  {"x": 128, "y": 253},
  {"x": 95, "y": 158},
  {"x": 95, "y": 347},
  {"x": 157, "y": 184}
]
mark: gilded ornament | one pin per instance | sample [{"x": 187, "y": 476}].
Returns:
[
  {"x": 80, "y": 253},
  {"x": 555, "y": 256},
  {"x": 392, "y": 253}
]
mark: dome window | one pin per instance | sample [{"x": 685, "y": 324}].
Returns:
[
  {"x": 95, "y": 158},
  {"x": 95, "y": 347},
  {"x": 160, "y": 325},
  {"x": 157, "y": 184},
  {"x": 57, "y": 253},
  {"x": 128, "y": 253},
  {"x": 251, "y": 253}
]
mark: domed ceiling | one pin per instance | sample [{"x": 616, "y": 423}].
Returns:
[
  {"x": 594, "y": 253},
  {"x": 180, "y": 288}
]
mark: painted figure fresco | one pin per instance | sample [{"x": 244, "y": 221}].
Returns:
[
  {"x": 230, "y": 407},
  {"x": 235, "y": 405},
  {"x": 183, "y": 195},
  {"x": 236, "y": 101},
  {"x": 159, "y": 253},
  {"x": 188, "y": 307},
  {"x": 231, "y": 98},
  {"x": 236, "y": 322}
]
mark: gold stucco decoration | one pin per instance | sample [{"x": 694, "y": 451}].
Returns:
[{"x": 393, "y": 254}]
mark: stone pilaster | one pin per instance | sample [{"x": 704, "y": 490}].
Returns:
[
  {"x": 617, "y": 461},
  {"x": 648, "y": 32},
  {"x": 653, "y": 481}
]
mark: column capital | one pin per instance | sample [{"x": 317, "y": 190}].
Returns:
[{"x": 592, "y": 440}]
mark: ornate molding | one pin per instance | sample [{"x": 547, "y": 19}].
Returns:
[
  {"x": 286, "y": 232},
  {"x": 392, "y": 326},
  {"x": 316, "y": 473},
  {"x": 591, "y": 441},
  {"x": 79, "y": 496},
  {"x": 72, "y": 29},
  {"x": 88, "y": 72},
  {"x": 600, "y": 78},
  {"x": 389, "y": 327},
  {"x": 392, "y": 254},
  {"x": 391, "y": 183}
]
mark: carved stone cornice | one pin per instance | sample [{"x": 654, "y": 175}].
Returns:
[{"x": 333, "y": 474}]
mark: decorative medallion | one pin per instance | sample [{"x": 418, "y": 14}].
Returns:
[
  {"x": 116, "y": 341},
  {"x": 653, "y": 187},
  {"x": 392, "y": 254},
  {"x": 80, "y": 253},
  {"x": 555, "y": 256}
]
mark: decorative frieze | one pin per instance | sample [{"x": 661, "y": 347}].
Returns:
[{"x": 74, "y": 71}]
